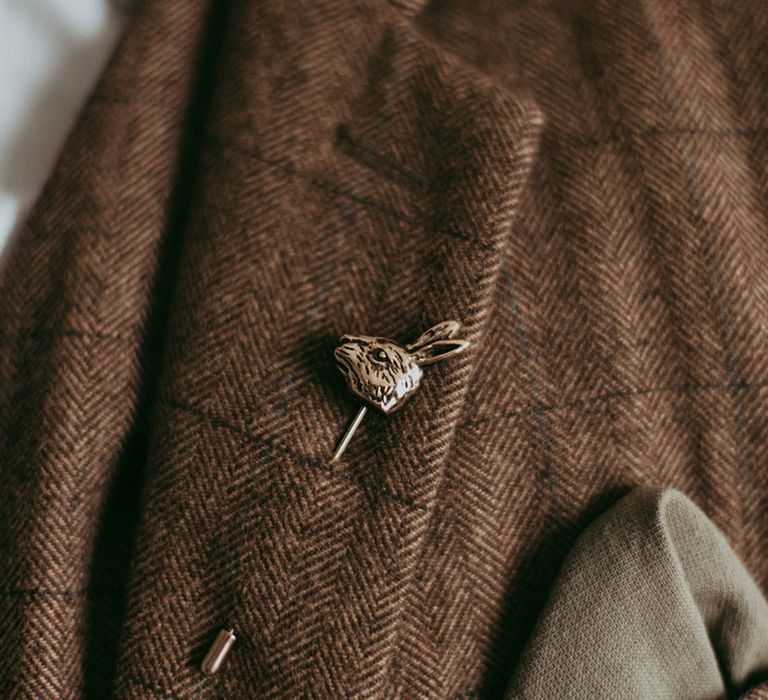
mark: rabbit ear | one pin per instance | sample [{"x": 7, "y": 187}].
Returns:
[
  {"x": 442, "y": 331},
  {"x": 439, "y": 350}
]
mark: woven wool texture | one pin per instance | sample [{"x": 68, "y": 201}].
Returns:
[{"x": 582, "y": 184}]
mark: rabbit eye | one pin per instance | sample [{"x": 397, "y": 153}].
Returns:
[{"x": 380, "y": 356}]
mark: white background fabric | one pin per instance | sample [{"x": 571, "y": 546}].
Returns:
[{"x": 51, "y": 53}]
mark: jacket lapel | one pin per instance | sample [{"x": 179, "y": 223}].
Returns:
[
  {"x": 349, "y": 177},
  {"x": 352, "y": 179}
]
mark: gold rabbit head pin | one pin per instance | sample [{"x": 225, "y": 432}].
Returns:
[{"x": 384, "y": 373}]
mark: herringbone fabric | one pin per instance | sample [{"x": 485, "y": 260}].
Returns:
[{"x": 582, "y": 185}]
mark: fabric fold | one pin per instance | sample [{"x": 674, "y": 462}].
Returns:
[
  {"x": 78, "y": 294},
  {"x": 652, "y": 602}
]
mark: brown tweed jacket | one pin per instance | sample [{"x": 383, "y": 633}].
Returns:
[{"x": 582, "y": 184}]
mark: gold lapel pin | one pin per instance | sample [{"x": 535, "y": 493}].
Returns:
[{"x": 384, "y": 373}]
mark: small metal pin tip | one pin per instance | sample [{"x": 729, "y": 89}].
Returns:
[
  {"x": 218, "y": 652},
  {"x": 353, "y": 426}
]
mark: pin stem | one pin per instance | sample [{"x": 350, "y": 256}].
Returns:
[{"x": 353, "y": 426}]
